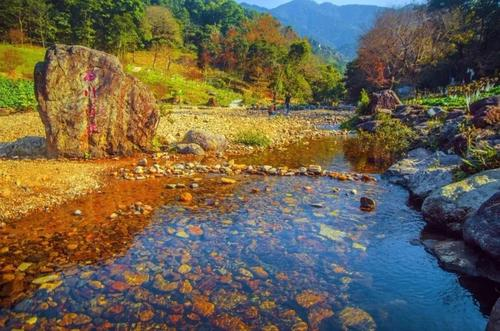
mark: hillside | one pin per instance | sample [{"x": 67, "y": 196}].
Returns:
[{"x": 336, "y": 26}]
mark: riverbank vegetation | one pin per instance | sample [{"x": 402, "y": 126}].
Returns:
[{"x": 391, "y": 139}]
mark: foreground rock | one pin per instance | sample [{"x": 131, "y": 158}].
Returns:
[
  {"x": 386, "y": 99},
  {"x": 90, "y": 107},
  {"x": 210, "y": 142},
  {"x": 482, "y": 229},
  {"x": 494, "y": 322},
  {"x": 24, "y": 147},
  {"x": 424, "y": 172},
  {"x": 448, "y": 207},
  {"x": 456, "y": 256}
]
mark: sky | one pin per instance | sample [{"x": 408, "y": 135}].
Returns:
[{"x": 384, "y": 3}]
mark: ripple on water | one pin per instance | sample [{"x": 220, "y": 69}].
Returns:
[{"x": 271, "y": 258}]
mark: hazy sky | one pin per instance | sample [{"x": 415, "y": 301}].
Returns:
[{"x": 385, "y": 3}]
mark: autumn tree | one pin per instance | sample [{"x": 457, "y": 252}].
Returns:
[{"x": 400, "y": 44}]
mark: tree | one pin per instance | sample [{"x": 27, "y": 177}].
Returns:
[
  {"x": 398, "y": 46},
  {"x": 165, "y": 30}
]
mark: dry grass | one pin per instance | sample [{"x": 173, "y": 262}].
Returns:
[
  {"x": 232, "y": 122},
  {"x": 27, "y": 185}
]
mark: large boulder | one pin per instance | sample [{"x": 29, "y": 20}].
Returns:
[
  {"x": 448, "y": 207},
  {"x": 424, "y": 172},
  {"x": 210, "y": 142},
  {"x": 90, "y": 107},
  {"x": 482, "y": 229},
  {"x": 386, "y": 99}
]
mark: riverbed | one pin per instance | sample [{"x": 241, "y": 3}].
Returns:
[{"x": 268, "y": 253}]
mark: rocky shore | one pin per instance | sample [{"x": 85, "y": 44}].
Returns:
[
  {"x": 22, "y": 152},
  {"x": 465, "y": 210}
]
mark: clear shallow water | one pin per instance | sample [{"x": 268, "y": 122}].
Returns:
[{"x": 254, "y": 260}]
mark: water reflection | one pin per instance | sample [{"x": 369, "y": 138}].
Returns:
[{"x": 267, "y": 255}]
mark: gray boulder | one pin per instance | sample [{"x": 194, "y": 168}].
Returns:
[
  {"x": 436, "y": 112},
  {"x": 482, "y": 229},
  {"x": 400, "y": 172},
  {"x": 24, "y": 147},
  {"x": 423, "y": 172},
  {"x": 194, "y": 149},
  {"x": 210, "y": 142},
  {"x": 448, "y": 207},
  {"x": 455, "y": 256}
]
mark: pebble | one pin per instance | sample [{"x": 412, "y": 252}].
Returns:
[
  {"x": 78, "y": 212},
  {"x": 367, "y": 204},
  {"x": 142, "y": 162}
]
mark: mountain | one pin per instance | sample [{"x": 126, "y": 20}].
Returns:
[{"x": 339, "y": 27}]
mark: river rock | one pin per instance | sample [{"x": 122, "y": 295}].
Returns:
[
  {"x": 494, "y": 322},
  {"x": 422, "y": 171},
  {"x": 367, "y": 204},
  {"x": 486, "y": 112},
  {"x": 90, "y": 107},
  {"x": 210, "y": 142},
  {"x": 448, "y": 207},
  {"x": 454, "y": 255},
  {"x": 482, "y": 229},
  {"x": 386, "y": 99},
  {"x": 194, "y": 149},
  {"x": 24, "y": 147}
]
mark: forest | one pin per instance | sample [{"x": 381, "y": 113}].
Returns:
[
  {"x": 251, "y": 47},
  {"x": 428, "y": 47}
]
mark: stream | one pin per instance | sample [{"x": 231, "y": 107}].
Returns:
[{"x": 273, "y": 253}]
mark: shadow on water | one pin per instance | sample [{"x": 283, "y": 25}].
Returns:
[{"x": 262, "y": 253}]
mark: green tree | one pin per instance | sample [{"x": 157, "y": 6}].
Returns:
[{"x": 165, "y": 30}]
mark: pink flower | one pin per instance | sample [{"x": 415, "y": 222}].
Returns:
[{"x": 89, "y": 76}]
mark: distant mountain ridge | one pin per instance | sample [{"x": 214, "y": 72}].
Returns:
[{"x": 339, "y": 27}]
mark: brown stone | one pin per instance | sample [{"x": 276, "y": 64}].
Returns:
[
  {"x": 308, "y": 299},
  {"x": 202, "y": 306},
  {"x": 90, "y": 106},
  {"x": 386, "y": 99}
]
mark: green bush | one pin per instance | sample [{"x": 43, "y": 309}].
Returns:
[
  {"x": 391, "y": 139},
  {"x": 253, "y": 138},
  {"x": 364, "y": 102},
  {"x": 17, "y": 94}
]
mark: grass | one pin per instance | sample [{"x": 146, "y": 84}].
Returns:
[
  {"x": 19, "y": 61},
  {"x": 253, "y": 138},
  {"x": 17, "y": 94},
  {"x": 453, "y": 101}
]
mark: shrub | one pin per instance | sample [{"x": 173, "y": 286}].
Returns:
[
  {"x": 481, "y": 157},
  {"x": 364, "y": 102},
  {"x": 17, "y": 94},
  {"x": 350, "y": 124},
  {"x": 253, "y": 138},
  {"x": 391, "y": 139}
]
